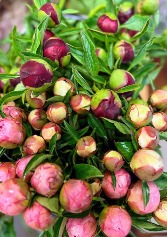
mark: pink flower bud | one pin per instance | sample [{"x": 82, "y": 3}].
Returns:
[
  {"x": 135, "y": 198},
  {"x": 7, "y": 171},
  {"x": 37, "y": 118},
  {"x": 38, "y": 217},
  {"x": 47, "y": 179},
  {"x": 126, "y": 10},
  {"x": 20, "y": 167},
  {"x": 158, "y": 99},
  {"x": 62, "y": 86},
  {"x": 86, "y": 146},
  {"x": 33, "y": 145},
  {"x": 106, "y": 103},
  {"x": 12, "y": 133},
  {"x": 76, "y": 196},
  {"x": 82, "y": 227},
  {"x": 149, "y": 7},
  {"x": 123, "y": 181},
  {"x": 57, "y": 112},
  {"x": 53, "y": 10},
  {"x": 57, "y": 50},
  {"x": 50, "y": 129},
  {"x": 147, "y": 137},
  {"x": 140, "y": 115},
  {"x": 48, "y": 34},
  {"x": 115, "y": 221},
  {"x": 14, "y": 112},
  {"x": 147, "y": 164},
  {"x": 160, "y": 213},
  {"x": 108, "y": 23},
  {"x": 80, "y": 103},
  {"x": 124, "y": 50},
  {"x": 14, "y": 196},
  {"x": 36, "y": 102},
  {"x": 159, "y": 121},
  {"x": 101, "y": 53},
  {"x": 112, "y": 160},
  {"x": 36, "y": 74}
]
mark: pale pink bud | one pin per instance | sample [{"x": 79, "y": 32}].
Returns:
[
  {"x": 96, "y": 187},
  {"x": 113, "y": 160},
  {"x": 160, "y": 213},
  {"x": 36, "y": 102},
  {"x": 57, "y": 112},
  {"x": 20, "y": 167},
  {"x": 50, "y": 129},
  {"x": 14, "y": 112},
  {"x": 158, "y": 99},
  {"x": 86, "y": 146},
  {"x": 159, "y": 121},
  {"x": 7, "y": 171},
  {"x": 80, "y": 103},
  {"x": 62, "y": 86},
  {"x": 33, "y": 145},
  {"x": 37, "y": 118}
]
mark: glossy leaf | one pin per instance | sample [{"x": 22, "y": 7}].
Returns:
[
  {"x": 129, "y": 88},
  {"x": 97, "y": 125},
  {"x": 70, "y": 130},
  {"x": 8, "y": 76},
  {"x": 11, "y": 96},
  {"x": 39, "y": 3},
  {"x": 52, "y": 144},
  {"x": 145, "y": 192},
  {"x": 147, "y": 225},
  {"x": 120, "y": 126},
  {"x": 163, "y": 136},
  {"x": 59, "y": 227},
  {"x": 136, "y": 22},
  {"x": 114, "y": 181},
  {"x": 86, "y": 171},
  {"x": 76, "y": 215},
  {"x": 126, "y": 149},
  {"x": 51, "y": 203}
]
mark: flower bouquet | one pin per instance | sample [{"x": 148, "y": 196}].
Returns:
[{"x": 79, "y": 147}]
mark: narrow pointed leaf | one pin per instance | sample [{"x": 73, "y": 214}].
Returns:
[{"x": 86, "y": 171}]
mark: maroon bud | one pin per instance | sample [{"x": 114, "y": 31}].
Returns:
[
  {"x": 37, "y": 118},
  {"x": 36, "y": 74},
  {"x": 127, "y": 34},
  {"x": 50, "y": 129},
  {"x": 126, "y": 10},
  {"x": 86, "y": 146},
  {"x": 7, "y": 171},
  {"x": 106, "y": 103},
  {"x": 14, "y": 112},
  {"x": 62, "y": 86},
  {"x": 80, "y": 103},
  {"x": 20, "y": 167},
  {"x": 159, "y": 121},
  {"x": 113, "y": 160},
  {"x": 33, "y": 145},
  {"x": 57, "y": 50},
  {"x": 158, "y": 99},
  {"x": 48, "y": 34},
  {"x": 124, "y": 50},
  {"x": 57, "y": 112},
  {"x": 14, "y": 81},
  {"x": 108, "y": 23},
  {"x": 36, "y": 102}
]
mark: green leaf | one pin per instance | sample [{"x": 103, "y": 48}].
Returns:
[
  {"x": 28, "y": 129},
  {"x": 77, "y": 54},
  {"x": 146, "y": 225},
  {"x": 85, "y": 171},
  {"x": 52, "y": 144},
  {"x": 145, "y": 193},
  {"x": 97, "y": 125},
  {"x": 114, "y": 181},
  {"x": 39, "y": 3},
  {"x": 110, "y": 6},
  {"x": 99, "y": 79},
  {"x": 35, "y": 161},
  {"x": 163, "y": 136},
  {"x": 120, "y": 126},
  {"x": 36, "y": 41},
  {"x": 76, "y": 215},
  {"x": 51, "y": 203},
  {"x": 163, "y": 193},
  {"x": 90, "y": 58},
  {"x": 111, "y": 57},
  {"x": 126, "y": 149},
  {"x": 13, "y": 95},
  {"x": 70, "y": 130},
  {"x": 82, "y": 132},
  {"x": 69, "y": 31},
  {"x": 7, "y": 226},
  {"x": 161, "y": 182},
  {"x": 59, "y": 227},
  {"x": 142, "y": 32},
  {"x": 136, "y": 22},
  {"x": 70, "y": 11},
  {"x": 8, "y": 76},
  {"x": 129, "y": 88}
]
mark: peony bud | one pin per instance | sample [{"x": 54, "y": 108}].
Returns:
[
  {"x": 140, "y": 115},
  {"x": 123, "y": 181},
  {"x": 48, "y": 34},
  {"x": 112, "y": 160},
  {"x": 14, "y": 82},
  {"x": 147, "y": 164},
  {"x": 86, "y": 146},
  {"x": 135, "y": 198},
  {"x": 115, "y": 221},
  {"x": 47, "y": 179},
  {"x": 101, "y": 53},
  {"x": 80, "y": 103},
  {"x": 38, "y": 217},
  {"x": 76, "y": 196},
  {"x": 108, "y": 23},
  {"x": 124, "y": 50},
  {"x": 81, "y": 227},
  {"x": 57, "y": 50},
  {"x": 106, "y": 103},
  {"x": 147, "y": 137},
  {"x": 127, "y": 35},
  {"x": 57, "y": 112},
  {"x": 160, "y": 213},
  {"x": 14, "y": 112},
  {"x": 149, "y": 7},
  {"x": 54, "y": 11},
  {"x": 14, "y": 196},
  {"x": 36, "y": 102},
  {"x": 50, "y": 129},
  {"x": 37, "y": 118},
  {"x": 158, "y": 99},
  {"x": 96, "y": 187},
  {"x": 62, "y": 86},
  {"x": 7, "y": 171},
  {"x": 12, "y": 133},
  {"x": 36, "y": 74},
  {"x": 20, "y": 167},
  {"x": 126, "y": 10},
  {"x": 33, "y": 145},
  {"x": 159, "y": 121}
]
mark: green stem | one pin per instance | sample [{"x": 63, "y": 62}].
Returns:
[
  {"x": 62, "y": 3},
  {"x": 132, "y": 234}
]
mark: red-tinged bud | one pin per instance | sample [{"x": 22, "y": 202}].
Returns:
[
  {"x": 37, "y": 118},
  {"x": 123, "y": 181},
  {"x": 160, "y": 213},
  {"x": 115, "y": 221},
  {"x": 82, "y": 227},
  {"x": 147, "y": 164},
  {"x": 101, "y": 53},
  {"x": 158, "y": 99},
  {"x": 113, "y": 160},
  {"x": 147, "y": 137},
  {"x": 1, "y": 86},
  {"x": 106, "y": 103},
  {"x": 38, "y": 217},
  {"x": 140, "y": 115},
  {"x": 36, "y": 74},
  {"x": 159, "y": 121},
  {"x": 20, "y": 167},
  {"x": 57, "y": 50},
  {"x": 135, "y": 198},
  {"x": 126, "y": 10},
  {"x": 62, "y": 86},
  {"x": 12, "y": 133},
  {"x": 57, "y": 112},
  {"x": 86, "y": 146},
  {"x": 50, "y": 129},
  {"x": 108, "y": 23},
  {"x": 76, "y": 196},
  {"x": 127, "y": 34},
  {"x": 14, "y": 196},
  {"x": 36, "y": 102},
  {"x": 54, "y": 11},
  {"x": 149, "y": 7},
  {"x": 47, "y": 179},
  {"x": 80, "y": 103},
  {"x": 124, "y": 50},
  {"x": 96, "y": 187},
  {"x": 7, "y": 171},
  {"x": 48, "y": 34},
  {"x": 14, "y": 82},
  {"x": 33, "y": 145},
  {"x": 14, "y": 112}
]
